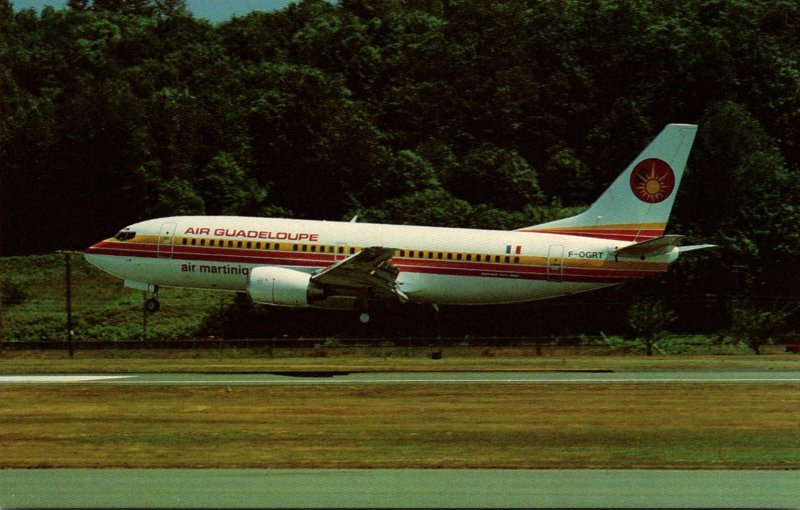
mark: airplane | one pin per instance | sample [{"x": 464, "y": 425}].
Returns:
[{"x": 348, "y": 265}]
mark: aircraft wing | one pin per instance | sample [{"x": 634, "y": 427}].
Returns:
[{"x": 368, "y": 271}]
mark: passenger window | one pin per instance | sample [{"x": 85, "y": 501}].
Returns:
[{"x": 194, "y": 242}]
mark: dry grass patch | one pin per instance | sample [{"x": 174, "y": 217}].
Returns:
[{"x": 491, "y": 426}]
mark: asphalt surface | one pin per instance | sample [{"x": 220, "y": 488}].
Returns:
[
  {"x": 367, "y": 378},
  {"x": 219, "y": 488}
]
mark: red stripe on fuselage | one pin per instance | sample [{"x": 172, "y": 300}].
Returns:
[{"x": 425, "y": 266}]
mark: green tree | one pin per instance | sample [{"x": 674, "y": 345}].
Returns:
[
  {"x": 756, "y": 327},
  {"x": 226, "y": 188},
  {"x": 495, "y": 176},
  {"x": 135, "y": 7},
  {"x": 428, "y": 207},
  {"x": 739, "y": 194},
  {"x": 649, "y": 318},
  {"x": 408, "y": 173}
]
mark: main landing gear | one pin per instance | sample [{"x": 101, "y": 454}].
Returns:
[
  {"x": 437, "y": 354},
  {"x": 362, "y": 307}
]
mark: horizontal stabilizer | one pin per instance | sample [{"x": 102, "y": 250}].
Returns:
[
  {"x": 657, "y": 246},
  {"x": 693, "y": 247}
]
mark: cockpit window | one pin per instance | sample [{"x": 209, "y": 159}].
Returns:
[{"x": 125, "y": 235}]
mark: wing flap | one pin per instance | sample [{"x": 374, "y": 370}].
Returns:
[{"x": 369, "y": 270}]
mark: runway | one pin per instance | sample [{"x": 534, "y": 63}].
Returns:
[
  {"x": 360, "y": 488},
  {"x": 369, "y": 378}
]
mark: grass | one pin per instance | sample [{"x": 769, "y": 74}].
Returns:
[
  {"x": 409, "y": 426},
  {"x": 33, "y": 308},
  {"x": 33, "y": 290}
]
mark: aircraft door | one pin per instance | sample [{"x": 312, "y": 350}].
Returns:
[
  {"x": 555, "y": 263},
  {"x": 166, "y": 240}
]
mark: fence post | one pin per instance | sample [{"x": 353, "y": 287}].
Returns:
[
  {"x": 68, "y": 298},
  {"x": 2, "y": 303},
  {"x": 144, "y": 317}
]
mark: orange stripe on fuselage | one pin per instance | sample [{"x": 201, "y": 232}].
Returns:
[{"x": 529, "y": 268}]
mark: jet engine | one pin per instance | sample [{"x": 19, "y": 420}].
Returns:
[{"x": 281, "y": 286}]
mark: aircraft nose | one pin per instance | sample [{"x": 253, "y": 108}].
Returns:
[
  {"x": 94, "y": 249},
  {"x": 94, "y": 256},
  {"x": 91, "y": 256}
]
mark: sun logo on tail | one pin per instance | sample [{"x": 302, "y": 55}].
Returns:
[{"x": 652, "y": 181}]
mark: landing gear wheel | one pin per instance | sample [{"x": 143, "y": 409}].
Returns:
[
  {"x": 364, "y": 318},
  {"x": 152, "y": 305}
]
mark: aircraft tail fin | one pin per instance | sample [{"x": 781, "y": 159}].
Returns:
[{"x": 637, "y": 205}]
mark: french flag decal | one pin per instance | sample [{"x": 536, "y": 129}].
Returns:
[{"x": 517, "y": 249}]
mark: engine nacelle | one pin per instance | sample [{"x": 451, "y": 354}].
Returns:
[{"x": 281, "y": 286}]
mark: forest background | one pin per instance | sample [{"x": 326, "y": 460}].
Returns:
[{"x": 459, "y": 113}]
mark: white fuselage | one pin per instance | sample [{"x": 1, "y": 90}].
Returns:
[{"x": 436, "y": 265}]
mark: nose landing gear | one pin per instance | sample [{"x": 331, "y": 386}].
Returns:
[{"x": 152, "y": 304}]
